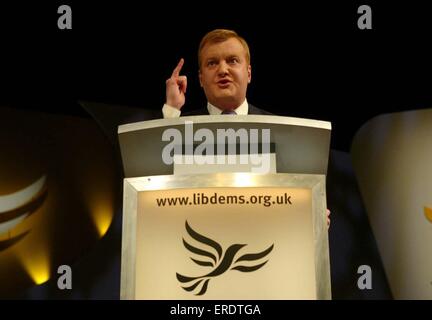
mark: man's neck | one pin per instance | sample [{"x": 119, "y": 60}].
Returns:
[{"x": 242, "y": 109}]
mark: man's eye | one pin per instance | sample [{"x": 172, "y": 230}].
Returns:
[
  {"x": 233, "y": 60},
  {"x": 211, "y": 63}
]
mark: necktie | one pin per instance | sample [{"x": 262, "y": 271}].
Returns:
[{"x": 229, "y": 112}]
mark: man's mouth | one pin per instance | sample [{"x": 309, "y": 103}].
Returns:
[{"x": 224, "y": 83}]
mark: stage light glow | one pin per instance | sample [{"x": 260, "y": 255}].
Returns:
[
  {"x": 102, "y": 214},
  {"x": 37, "y": 267}
]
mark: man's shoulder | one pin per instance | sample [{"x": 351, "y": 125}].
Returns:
[
  {"x": 196, "y": 112},
  {"x": 257, "y": 111}
]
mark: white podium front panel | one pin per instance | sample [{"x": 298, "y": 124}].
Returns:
[{"x": 246, "y": 237}]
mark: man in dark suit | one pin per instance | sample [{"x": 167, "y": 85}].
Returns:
[{"x": 224, "y": 74}]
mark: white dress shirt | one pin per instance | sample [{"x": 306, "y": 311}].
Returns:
[{"x": 171, "y": 112}]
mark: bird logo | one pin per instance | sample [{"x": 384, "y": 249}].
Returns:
[
  {"x": 220, "y": 262},
  {"x": 16, "y": 207}
]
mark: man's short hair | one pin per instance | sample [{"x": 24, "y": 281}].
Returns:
[{"x": 221, "y": 35}]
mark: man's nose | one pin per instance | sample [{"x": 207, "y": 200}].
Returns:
[{"x": 223, "y": 68}]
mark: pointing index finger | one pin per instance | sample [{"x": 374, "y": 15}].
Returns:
[{"x": 177, "y": 69}]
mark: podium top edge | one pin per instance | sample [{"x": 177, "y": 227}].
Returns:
[{"x": 270, "y": 119}]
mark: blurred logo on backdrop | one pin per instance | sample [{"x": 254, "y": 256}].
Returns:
[
  {"x": 428, "y": 214},
  {"x": 16, "y": 207},
  {"x": 392, "y": 156},
  {"x": 58, "y": 178}
]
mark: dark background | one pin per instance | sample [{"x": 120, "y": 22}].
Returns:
[{"x": 309, "y": 59}]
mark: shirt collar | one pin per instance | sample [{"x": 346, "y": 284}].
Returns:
[{"x": 241, "y": 110}]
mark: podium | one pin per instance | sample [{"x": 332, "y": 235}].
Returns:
[{"x": 225, "y": 207}]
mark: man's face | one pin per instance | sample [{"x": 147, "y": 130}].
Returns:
[{"x": 224, "y": 73}]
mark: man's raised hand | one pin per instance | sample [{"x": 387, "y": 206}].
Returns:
[{"x": 176, "y": 88}]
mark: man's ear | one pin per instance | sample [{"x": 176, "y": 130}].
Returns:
[
  {"x": 200, "y": 77},
  {"x": 249, "y": 73}
]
